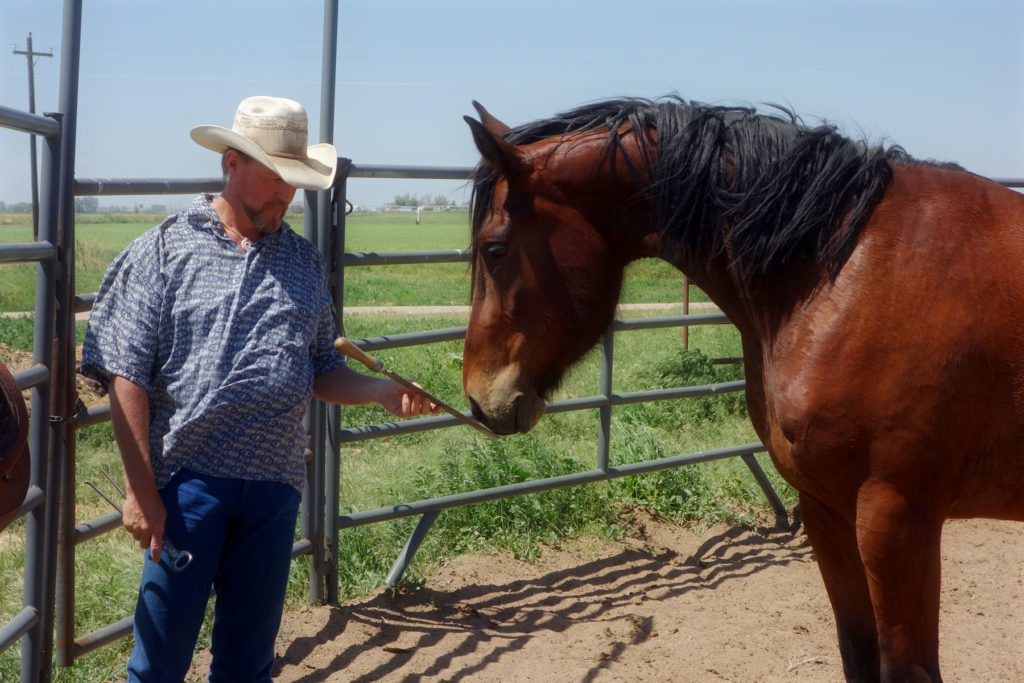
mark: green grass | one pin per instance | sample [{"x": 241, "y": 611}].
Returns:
[
  {"x": 400, "y": 469},
  {"x": 97, "y": 243}
]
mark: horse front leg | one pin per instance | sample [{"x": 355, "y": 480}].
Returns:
[
  {"x": 835, "y": 547},
  {"x": 899, "y": 541}
]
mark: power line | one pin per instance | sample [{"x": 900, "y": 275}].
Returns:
[{"x": 29, "y": 54}]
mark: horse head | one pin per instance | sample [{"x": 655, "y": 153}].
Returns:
[{"x": 547, "y": 264}]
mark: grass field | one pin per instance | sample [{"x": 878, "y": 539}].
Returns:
[
  {"x": 97, "y": 243},
  {"x": 398, "y": 469}
]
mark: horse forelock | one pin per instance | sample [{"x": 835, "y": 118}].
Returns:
[{"x": 784, "y": 190}]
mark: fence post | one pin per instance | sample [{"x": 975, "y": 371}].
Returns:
[
  {"x": 65, "y": 398},
  {"x": 332, "y": 469},
  {"x": 604, "y": 436},
  {"x": 40, "y": 524}
]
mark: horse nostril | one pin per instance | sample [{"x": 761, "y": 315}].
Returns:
[{"x": 474, "y": 408}]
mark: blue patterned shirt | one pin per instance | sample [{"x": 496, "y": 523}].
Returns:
[{"x": 226, "y": 343}]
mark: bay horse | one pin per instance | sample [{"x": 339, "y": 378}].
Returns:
[
  {"x": 880, "y": 302},
  {"x": 15, "y": 467}
]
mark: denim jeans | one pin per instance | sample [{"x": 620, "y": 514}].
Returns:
[{"x": 240, "y": 534}]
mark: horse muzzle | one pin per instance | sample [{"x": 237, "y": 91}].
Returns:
[{"x": 507, "y": 412}]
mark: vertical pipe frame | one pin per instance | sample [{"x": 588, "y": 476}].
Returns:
[
  {"x": 64, "y": 400},
  {"x": 325, "y": 545},
  {"x": 604, "y": 436},
  {"x": 332, "y": 471},
  {"x": 40, "y": 554}
]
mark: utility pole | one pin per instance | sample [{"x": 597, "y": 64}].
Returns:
[{"x": 29, "y": 54}]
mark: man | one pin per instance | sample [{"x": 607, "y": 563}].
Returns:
[{"x": 212, "y": 331}]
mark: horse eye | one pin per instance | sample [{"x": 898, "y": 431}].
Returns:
[{"x": 496, "y": 250}]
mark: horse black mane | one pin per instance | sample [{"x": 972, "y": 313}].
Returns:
[{"x": 764, "y": 187}]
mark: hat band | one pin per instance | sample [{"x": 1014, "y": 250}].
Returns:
[
  {"x": 287, "y": 155},
  {"x": 282, "y": 142}
]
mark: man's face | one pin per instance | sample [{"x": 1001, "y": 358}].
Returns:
[{"x": 264, "y": 196}]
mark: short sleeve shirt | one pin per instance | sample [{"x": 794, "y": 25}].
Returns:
[{"x": 227, "y": 344}]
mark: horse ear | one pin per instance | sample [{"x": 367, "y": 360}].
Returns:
[
  {"x": 502, "y": 155},
  {"x": 490, "y": 122}
]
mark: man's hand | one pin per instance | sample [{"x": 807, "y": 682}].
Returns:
[
  {"x": 401, "y": 402},
  {"x": 144, "y": 518},
  {"x": 346, "y": 386}
]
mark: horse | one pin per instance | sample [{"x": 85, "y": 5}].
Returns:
[
  {"x": 879, "y": 300},
  {"x": 15, "y": 466}
]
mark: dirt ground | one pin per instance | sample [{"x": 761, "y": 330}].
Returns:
[{"x": 669, "y": 605}]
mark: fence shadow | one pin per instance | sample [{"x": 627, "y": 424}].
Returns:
[{"x": 456, "y": 634}]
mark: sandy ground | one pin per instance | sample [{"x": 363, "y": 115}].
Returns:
[{"x": 669, "y": 605}]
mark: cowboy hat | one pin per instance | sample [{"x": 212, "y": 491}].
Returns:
[{"x": 273, "y": 131}]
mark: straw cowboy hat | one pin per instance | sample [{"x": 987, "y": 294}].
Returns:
[{"x": 273, "y": 131}]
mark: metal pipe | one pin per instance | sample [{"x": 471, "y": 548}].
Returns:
[
  {"x": 392, "y": 258},
  {"x": 394, "y": 341},
  {"x": 781, "y": 514},
  {"x": 411, "y": 546},
  {"x": 103, "y": 636},
  {"x": 98, "y": 526},
  {"x": 422, "y": 424},
  {"x": 62, "y": 432},
  {"x": 35, "y": 376},
  {"x": 332, "y": 470},
  {"x": 604, "y": 419},
  {"x": 325, "y": 241},
  {"x": 25, "y": 620},
  {"x": 93, "y": 416},
  {"x": 507, "y": 491},
  {"x": 671, "y": 321},
  {"x": 413, "y": 172},
  {"x": 91, "y": 187},
  {"x": 27, "y": 122},
  {"x": 27, "y": 251},
  {"x": 40, "y": 524},
  {"x": 34, "y": 498}
]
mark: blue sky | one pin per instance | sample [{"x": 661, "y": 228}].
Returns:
[{"x": 943, "y": 79}]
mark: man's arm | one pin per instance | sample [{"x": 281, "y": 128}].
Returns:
[
  {"x": 144, "y": 513},
  {"x": 348, "y": 387}
]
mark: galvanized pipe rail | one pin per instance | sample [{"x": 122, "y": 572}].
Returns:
[{"x": 33, "y": 624}]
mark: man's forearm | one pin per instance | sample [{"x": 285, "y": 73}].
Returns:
[
  {"x": 129, "y": 410},
  {"x": 144, "y": 513}
]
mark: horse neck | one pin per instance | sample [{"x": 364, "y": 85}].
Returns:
[{"x": 758, "y": 309}]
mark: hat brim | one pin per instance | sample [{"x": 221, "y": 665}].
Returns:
[{"x": 315, "y": 172}]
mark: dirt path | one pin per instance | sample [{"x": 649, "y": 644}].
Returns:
[{"x": 725, "y": 605}]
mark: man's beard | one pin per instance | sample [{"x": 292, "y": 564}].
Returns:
[{"x": 266, "y": 218}]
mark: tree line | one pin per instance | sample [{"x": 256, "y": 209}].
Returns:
[{"x": 408, "y": 199}]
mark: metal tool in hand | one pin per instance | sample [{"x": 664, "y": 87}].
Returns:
[
  {"x": 179, "y": 559},
  {"x": 346, "y": 347}
]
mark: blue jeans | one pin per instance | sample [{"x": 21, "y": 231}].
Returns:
[{"x": 240, "y": 534}]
